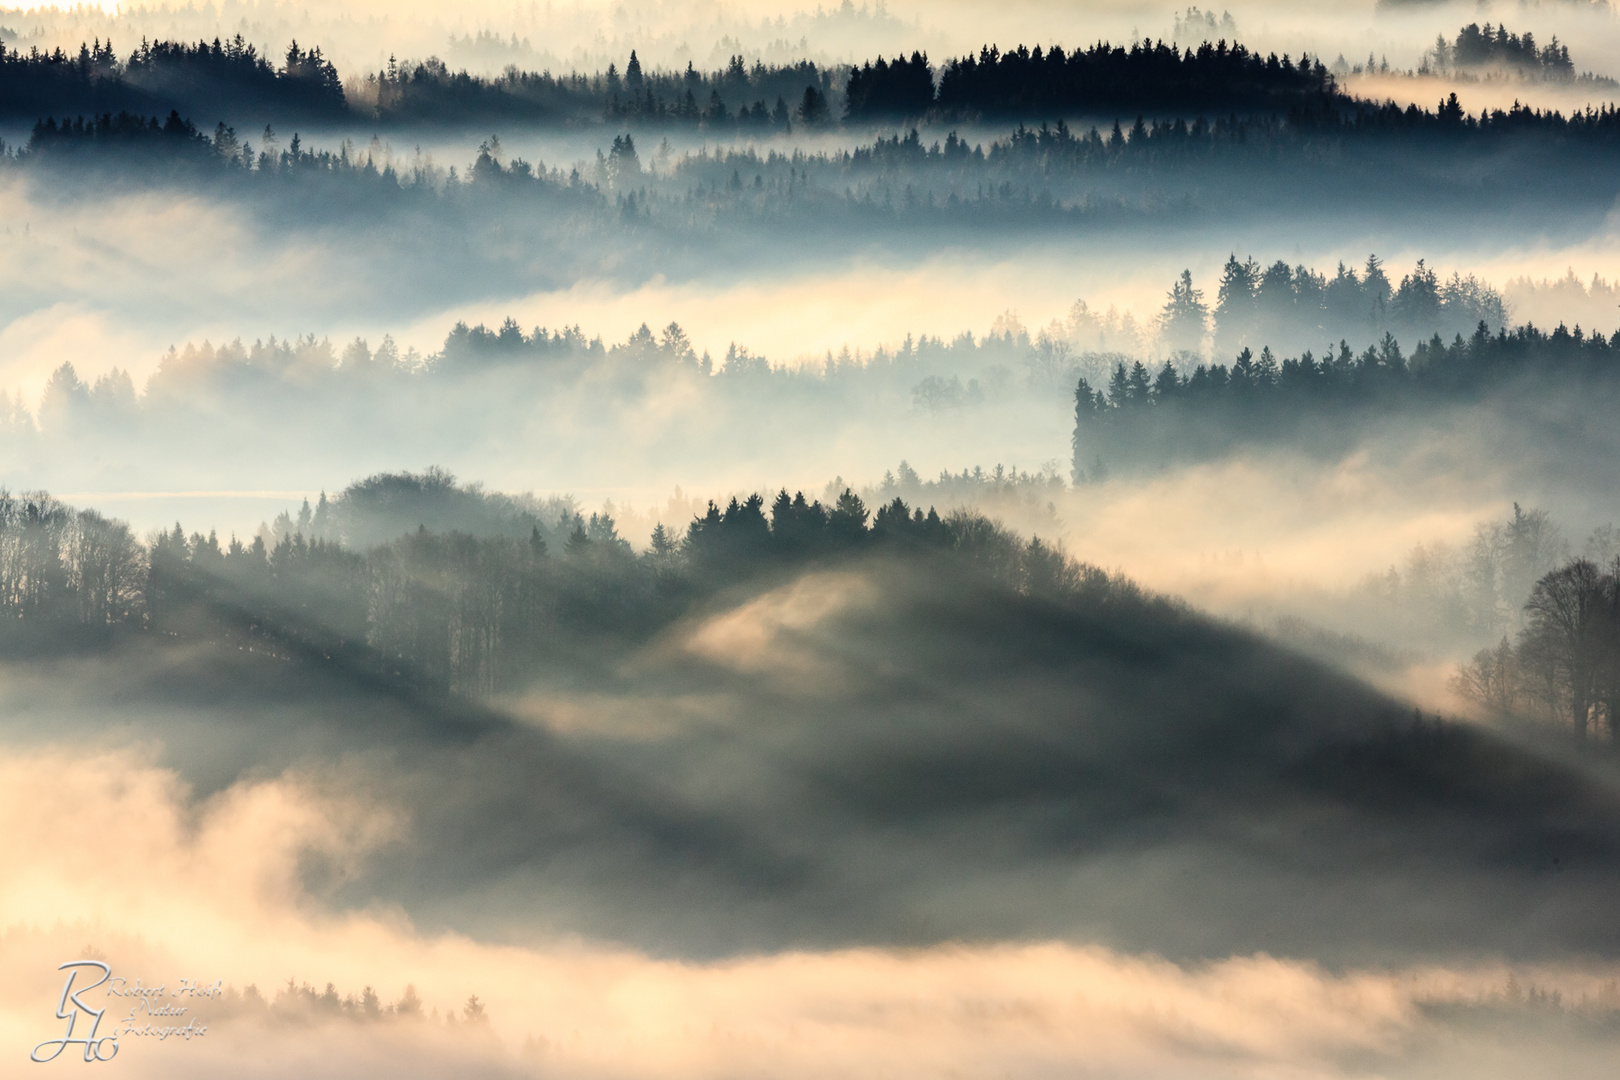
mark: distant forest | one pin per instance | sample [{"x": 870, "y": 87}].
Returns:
[
  {"x": 937, "y": 375},
  {"x": 1257, "y": 305},
  {"x": 1148, "y": 76},
  {"x": 229, "y": 79},
  {"x": 214, "y": 79},
  {"x": 471, "y": 612},
  {"x": 1190, "y": 106},
  {"x": 1134, "y": 175},
  {"x": 489, "y": 372},
  {"x": 1054, "y": 148},
  {"x": 740, "y": 98},
  {"x": 1479, "y": 50},
  {"x": 1202, "y": 409}
]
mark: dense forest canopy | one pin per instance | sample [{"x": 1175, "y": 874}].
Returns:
[
  {"x": 1153, "y": 77},
  {"x": 228, "y": 78},
  {"x": 956, "y": 684},
  {"x": 1205, "y": 409}
]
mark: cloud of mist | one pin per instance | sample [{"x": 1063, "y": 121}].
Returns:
[
  {"x": 909, "y": 756},
  {"x": 113, "y": 855},
  {"x": 756, "y": 637}
]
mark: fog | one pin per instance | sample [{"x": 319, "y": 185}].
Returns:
[
  {"x": 579, "y": 1009},
  {"x": 377, "y": 842},
  {"x": 1030, "y": 563}
]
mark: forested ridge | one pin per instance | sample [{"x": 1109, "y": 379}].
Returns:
[
  {"x": 1195, "y": 131},
  {"x": 535, "y": 587},
  {"x": 230, "y": 77},
  {"x": 219, "y": 78},
  {"x": 1164, "y": 140},
  {"x": 1054, "y": 83},
  {"x": 1135, "y": 176},
  {"x": 1202, "y": 408},
  {"x": 474, "y": 366},
  {"x": 502, "y": 590},
  {"x": 1256, "y": 305},
  {"x": 230, "y": 80}
]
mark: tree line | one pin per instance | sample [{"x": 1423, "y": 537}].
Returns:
[
  {"x": 174, "y": 149},
  {"x": 306, "y": 376},
  {"x": 1257, "y": 304},
  {"x": 227, "y": 77},
  {"x": 738, "y": 98},
  {"x": 216, "y": 78},
  {"x": 1047, "y": 169},
  {"x": 224, "y": 79},
  {"x": 1262, "y": 396},
  {"x": 455, "y": 611},
  {"x": 1133, "y": 402},
  {"x": 1476, "y": 48},
  {"x": 1363, "y": 127},
  {"x": 1054, "y": 83},
  {"x": 1046, "y": 177}
]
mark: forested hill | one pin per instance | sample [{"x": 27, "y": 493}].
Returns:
[
  {"x": 231, "y": 80},
  {"x": 502, "y": 590},
  {"x": 883, "y": 685}
]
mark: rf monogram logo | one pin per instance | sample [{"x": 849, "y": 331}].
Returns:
[{"x": 95, "y": 1049}]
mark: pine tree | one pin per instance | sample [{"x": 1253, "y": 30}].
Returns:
[
  {"x": 1185, "y": 317},
  {"x": 1234, "y": 304},
  {"x": 1119, "y": 387}
]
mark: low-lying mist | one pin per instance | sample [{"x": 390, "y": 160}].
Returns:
[
  {"x": 224, "y": 865},
  {"x": 910, "y": 736},
  {"x": 874, "y": 799}
]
